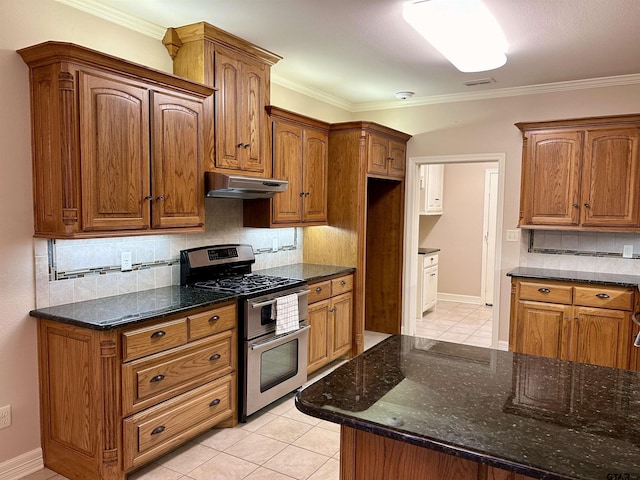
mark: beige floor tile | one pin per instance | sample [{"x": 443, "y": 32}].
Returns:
[
  {"x": 285, "y": 429},
  {"x": 478, "y": 342},
  {"x": 223, "y": 467},
  {"x": 188, "y": 457},
  {"x": 266, "y": 474},
  {"x": 43, "y": 474},
  {"x": 328, "y": 471},
  {"x": 295, "y": 414},
  {"x": 155, "y": 472},
  {"x": 453, "y": 337},
  {"x": 222, "y": 438},
  {"x": 463, "y": 328},
  {"x": 256, "y": 448},
  {"x": 257, "y": 421},
  {"x": 334, "y": 427},
  {"x": 320, "y": 440},
  {"x": 282, "y": 405},
  {"x": 296, "y": 462}
]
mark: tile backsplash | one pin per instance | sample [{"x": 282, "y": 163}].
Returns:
[
  {"x": 76, "y": 270},
  {"x": 581, "y": 251}
]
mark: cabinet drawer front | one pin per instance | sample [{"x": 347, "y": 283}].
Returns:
[
  {"x": 212, "y": 321},
  {"x": 546, "y": 292},
  {"x": 604, "y": 297},
  {"x": 156, "y": 430},
  {"x": 429, "y": 260},
  {"x": 152, "y": 379},
  {"x": 319, "y": 291},
  {"x": 341, "y": 285},
  {"x": 161, "y": 336}
]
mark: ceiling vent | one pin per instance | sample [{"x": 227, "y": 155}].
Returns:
[{"x": 478, "y": 81}]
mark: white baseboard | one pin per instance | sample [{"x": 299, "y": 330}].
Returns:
[
  {"x": 453, "y": 297},
  {"x": 22, "y": 465},
  {"x": 502, "y": 345}
]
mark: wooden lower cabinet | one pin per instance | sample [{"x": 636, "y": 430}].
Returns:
[
  {"x": 330, "y": 317},
  {"x": 367, "y": 456},
  {"x": 571, "y": 321},
  {"x": 114, "y": 400}
]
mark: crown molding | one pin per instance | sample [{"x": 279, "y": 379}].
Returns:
[
  {"x": 312, "y": 92},
  {"x": 116, "y": 16}
]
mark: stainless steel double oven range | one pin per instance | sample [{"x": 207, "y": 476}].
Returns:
[{"x": 271, "y": 365}]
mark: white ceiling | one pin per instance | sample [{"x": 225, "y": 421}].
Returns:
[{"x": 357, "y": 53}]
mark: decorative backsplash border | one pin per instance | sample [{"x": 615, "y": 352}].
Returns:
[{"x": 584, "y": 244}]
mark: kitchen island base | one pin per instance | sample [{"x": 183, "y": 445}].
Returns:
[{"x": 367, "y": 456}]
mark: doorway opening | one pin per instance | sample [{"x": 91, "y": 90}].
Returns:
[{"x": 488, "y": 245}]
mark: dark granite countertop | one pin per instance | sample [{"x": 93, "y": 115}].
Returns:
[
  {"x": 121, "y": 310},
  {"x": 427, "y": 251},
  {"x": 309, "y": 272},
  {"x": 542, "y": 417},
  {"x": 575, "y": 276}
]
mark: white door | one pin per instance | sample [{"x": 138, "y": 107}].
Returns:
[{"x": 489, "y": 235}]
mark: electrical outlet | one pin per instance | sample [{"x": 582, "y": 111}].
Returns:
[
  {"x": 627, "y": 251},
  {"x": 5, "y": 416},
  {"x": 125, "y": 264},
  {"x": 274, "y": 245}
]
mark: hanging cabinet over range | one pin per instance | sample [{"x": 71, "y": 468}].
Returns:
[
  {"x": 300, "y": 156},
  {"x": 581, "y": 174},
  {"x": 236, "y": 122},
  {"x": 105, "y": 156}
]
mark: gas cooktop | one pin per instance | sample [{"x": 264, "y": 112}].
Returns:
[{"x": 243, "y": 284}]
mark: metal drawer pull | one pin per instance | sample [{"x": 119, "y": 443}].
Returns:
[
  {"x": 158, "y": 334},
  {"x": 636, "y": 320},
  {"x": 157, "y": 430},
  {"x": 157, "y": 378},
  {"x": 318, "y": 289},
  {"x": 271, "y": 302},
  {"x": 544, "y": 290},
  {"x": 214, "y": 402},
  {"x": 334, "y": 309},
  {"x": 214, "y": 318},
  {"x": 343, "y": 283},
  {"x": 602, "y": 295},
  {"x": 214, "y": 357}
]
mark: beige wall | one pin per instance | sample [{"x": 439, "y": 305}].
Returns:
[
  {"x": 23, "y": 24},
  {"x": 458, "y": 232}
]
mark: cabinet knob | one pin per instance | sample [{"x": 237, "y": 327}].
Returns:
[
  {"x": 215, "y": 318},
  {"x": 602, "y": 295},
  {"x": 318, "y": 289},
  {"x": 576, "y": 205},
  {"x": 214, "y": 402},
  {"x": 333, "y": 309},
  {"x": 158, "y": 334},
  {"x": 247, "y": 145},
  {"x": 306, "y": 194},
  {"x": 544, "y": 290},
  {"x": 157, "y": 430},
  {"x": 302, "y": 194},
  {"x": 157, "y": 378},
  {"x": 160, "y": 198},
  {"x": 343, "y": 283},
  {"x": 588, "y": 205},
  {"x": 389, "y": 159},
  {"x": 240, "y": 145},
  {"x": 148, "y": 198}
]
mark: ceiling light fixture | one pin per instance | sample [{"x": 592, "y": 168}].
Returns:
[
  {"x": 404, "y": 95},
  {"x": 464, "y": 31}
]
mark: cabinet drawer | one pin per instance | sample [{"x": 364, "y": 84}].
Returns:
[
  {"x": 546, "y": 292},
  {"x": 429, "y": 260},
  {"x": 161, "y": 336},
  {"x": 159, "y": 429},
  {"x": 152, "y": 379},
  {"x": 341, "y": 285},
  {"x": 319, "y": 291},
  {"x": 212, "y": 321},
  {"x": 604, "y": 297}
]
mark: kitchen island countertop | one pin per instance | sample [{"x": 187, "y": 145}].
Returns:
[{"x": 541, "y": 417}]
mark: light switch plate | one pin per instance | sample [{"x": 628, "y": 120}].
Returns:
[
  {"x": 627, "y": 251},
  {"x": 513, "y": 235}
]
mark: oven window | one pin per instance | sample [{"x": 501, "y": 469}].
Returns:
[
  {"x": 265, "y": 315},
  {"x": 278, "y": 364}
]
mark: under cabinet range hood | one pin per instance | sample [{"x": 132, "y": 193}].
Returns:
[{"x": 222, "y": 185}]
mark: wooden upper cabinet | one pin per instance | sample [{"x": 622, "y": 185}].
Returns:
[
  {"x": 300, "y": 149},
  {"x": 117, "y": 147},
  {"x": 385, "y": 156},
  {"x": 581, "y": 174},
  {"x": 241, "y": 73}
]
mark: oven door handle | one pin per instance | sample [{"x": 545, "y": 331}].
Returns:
[
  {"x": 272, "y": 301},
  {"x": 279, "y": 338}
]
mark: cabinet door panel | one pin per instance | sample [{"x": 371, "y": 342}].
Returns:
[
  {"x": 316, "y": 148},
  {"x": 542, "y": 328},
  {"x": 114, "y": 146},
  {"x": 287, "y": 153},
  {"x": 611, "y": 178},
  {"x": 601, "y": 337},
  {"x": 552, "y": 173},
  {"x": 398, "y": 155},
  {"x": 227, "y": 98},
  {"x": 318, "y": 318},
  {"x": 255, "y": 121},
  {"x": 378, "y": 154},
  {"x": 340, "y": 334},
  {"x": 178, "y": 198}
]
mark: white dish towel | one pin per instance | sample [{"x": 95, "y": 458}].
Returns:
[{"x": 286, "y": 314}]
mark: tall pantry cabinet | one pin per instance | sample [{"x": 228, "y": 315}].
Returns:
[{"x": 366, "y": 222}]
